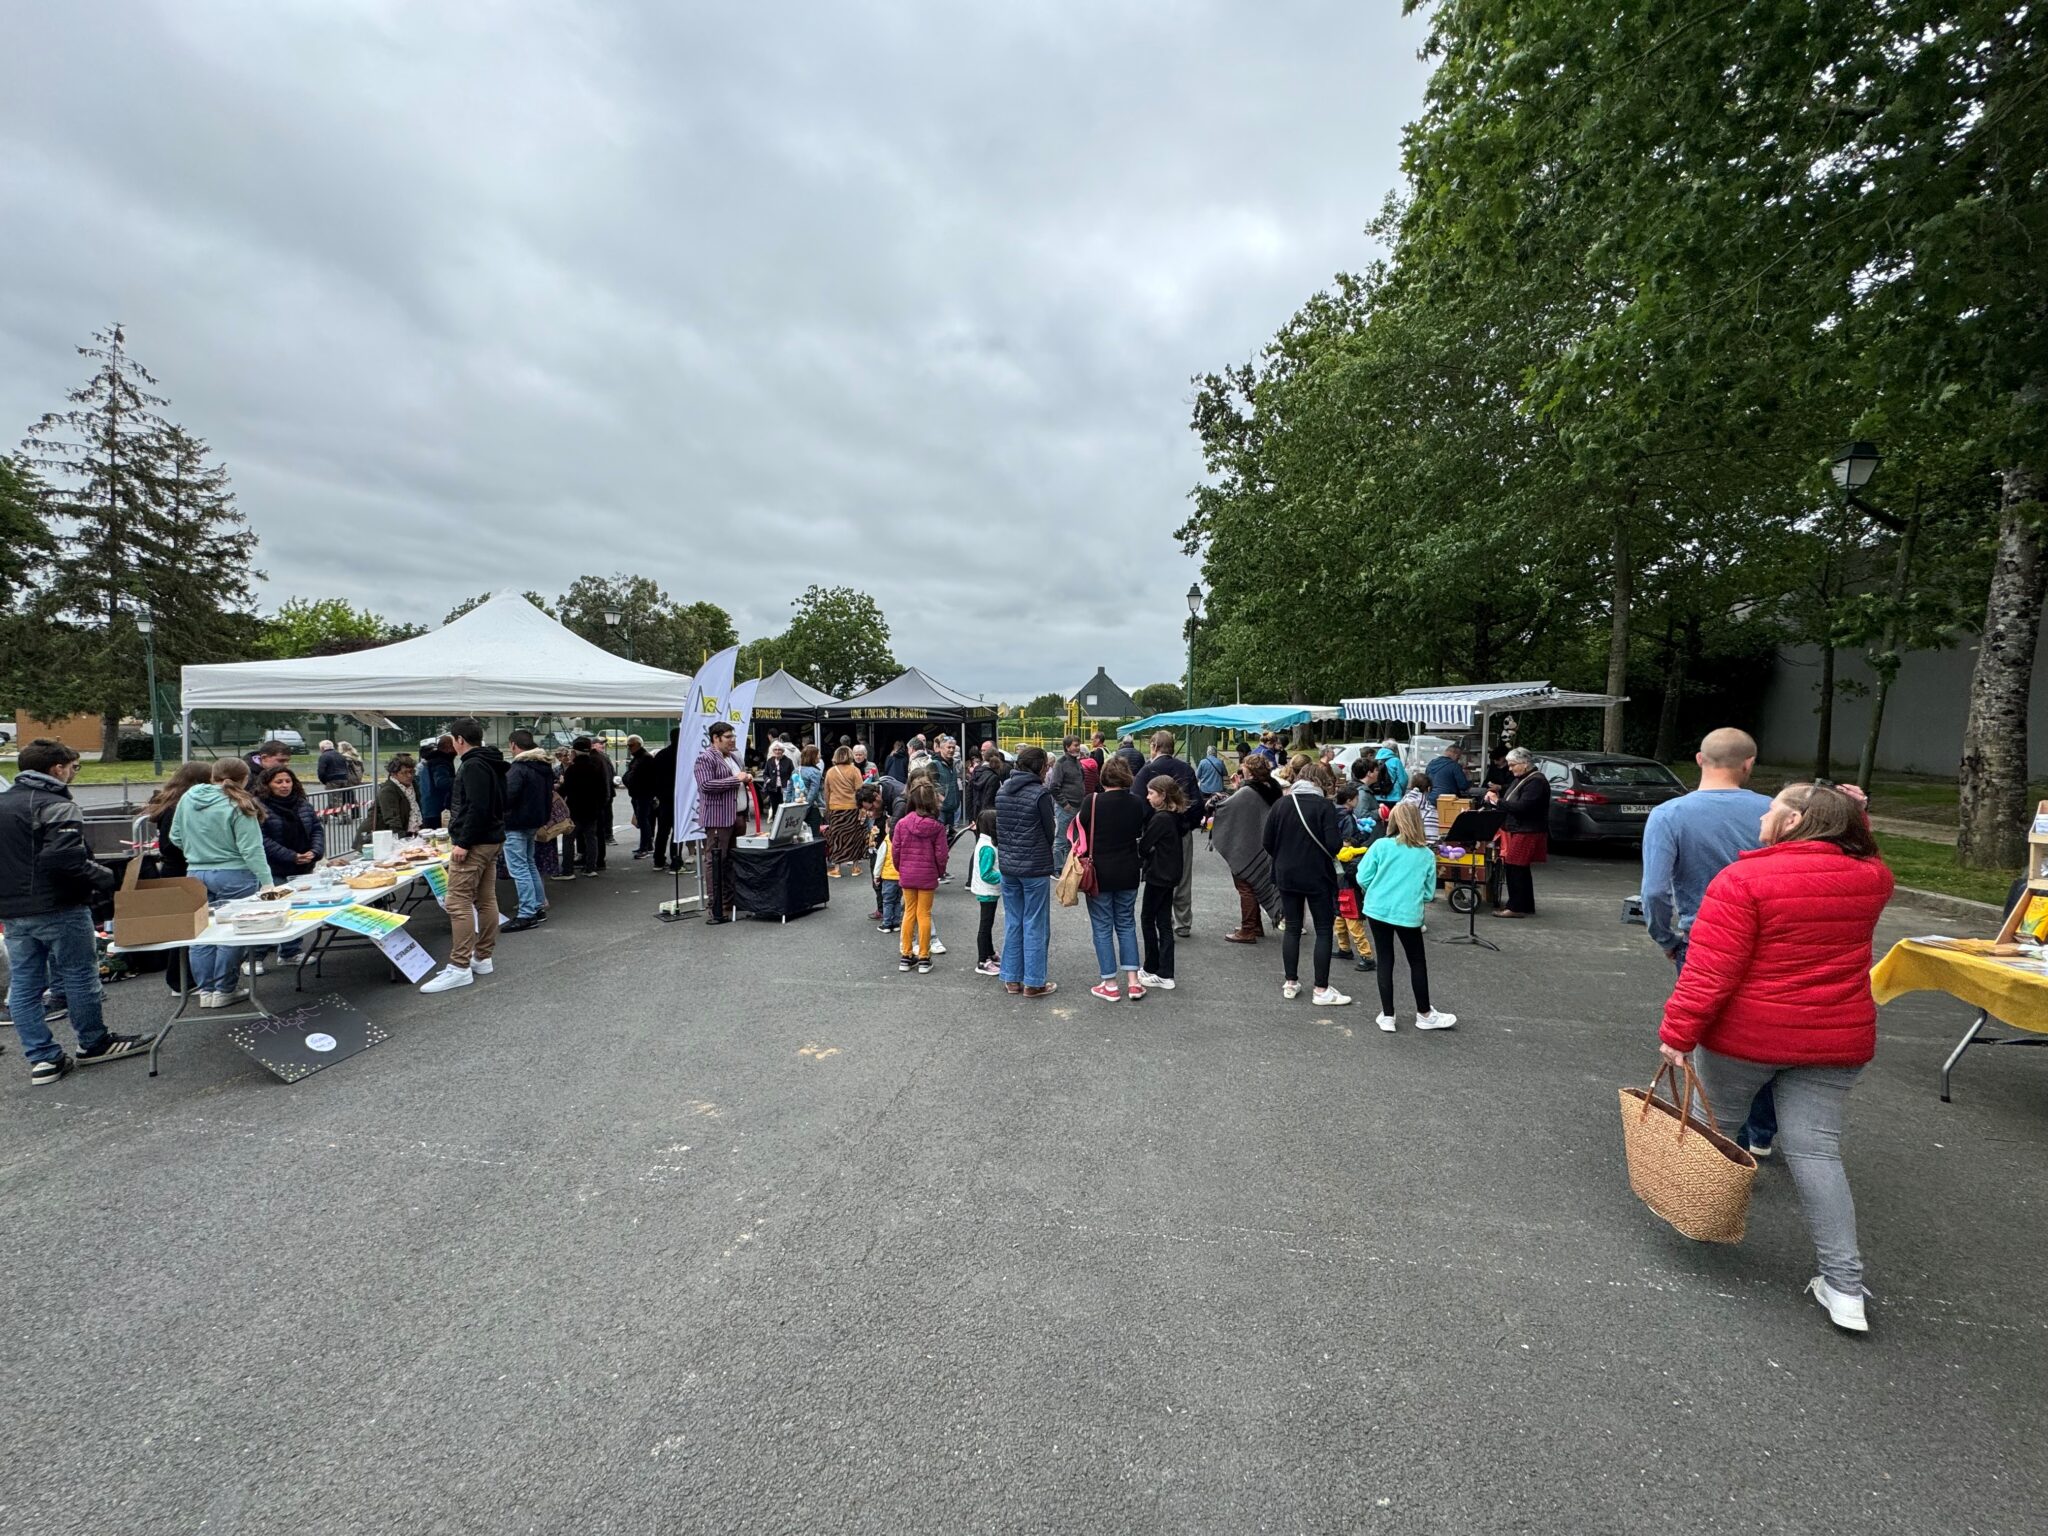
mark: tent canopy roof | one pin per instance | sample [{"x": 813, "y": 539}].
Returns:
[
  {"x": 1233, "y": 717},
  {"x": 779, "y": 694},
  {"x": 914, "y": 694},
  {"x": 502, "y": 657},
  {"x": 1458, "y": 705}
]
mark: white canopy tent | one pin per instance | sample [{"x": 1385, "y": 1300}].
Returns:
[
  {"x": 1457, "y": 706},
  {"x": 502, "y": 657}
]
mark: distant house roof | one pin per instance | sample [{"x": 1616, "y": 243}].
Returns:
[{"x": 1101, "y": 699}]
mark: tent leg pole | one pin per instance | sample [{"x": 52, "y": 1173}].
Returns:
[
  {"x": 373, "y": 758},
  {"x": 185, "y": 736}
]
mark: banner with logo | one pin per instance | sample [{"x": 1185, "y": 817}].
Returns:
[{"x": 712, "y": 698}]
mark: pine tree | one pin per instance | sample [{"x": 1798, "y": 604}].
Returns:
[{"x": 142, "y": 520}]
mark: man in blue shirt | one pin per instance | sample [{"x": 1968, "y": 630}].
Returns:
[
  {"x": 1687, "y": 842},
  {"x": 1210, "y": 772},
  {"x": 1447, "y": 774}
]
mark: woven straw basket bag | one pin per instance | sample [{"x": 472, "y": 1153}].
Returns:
[{"x": 1680, "y": 1166}]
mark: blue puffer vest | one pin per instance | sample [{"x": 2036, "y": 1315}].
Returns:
[{"x": 1022, "y": 844}]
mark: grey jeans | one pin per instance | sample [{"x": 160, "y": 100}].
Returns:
[{"x": 1810, "y": 1105}]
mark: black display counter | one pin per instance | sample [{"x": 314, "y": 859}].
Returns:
[{"x": 781, "y": 882}]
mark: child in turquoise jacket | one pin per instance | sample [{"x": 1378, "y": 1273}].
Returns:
[
  {"x": 1397, "y": 880},
  {"x": 987, "y": 885}
]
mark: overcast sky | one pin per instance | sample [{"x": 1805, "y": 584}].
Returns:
[{"x": 904, "y": 296}]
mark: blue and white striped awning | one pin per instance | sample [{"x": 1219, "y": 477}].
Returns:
[{"x": 1459, "y": 705}]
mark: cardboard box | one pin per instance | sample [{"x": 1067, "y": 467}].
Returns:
[{"x": 158, "y": 911}]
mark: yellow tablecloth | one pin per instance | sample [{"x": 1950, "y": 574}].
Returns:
[{"x": 2009, "y": 994}]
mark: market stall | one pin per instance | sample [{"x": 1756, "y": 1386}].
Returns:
[
  {"x": 1237, "y": 719},
  {"x": 909, "y": 705},
  {"x": 782, "y": 702},
  {"x": 1457, "y": 707},
  {"x": 503, "y": 657}
]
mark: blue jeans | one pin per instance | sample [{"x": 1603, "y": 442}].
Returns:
[
  {"x": 525, "y": 873},
  {"x": 54, "y": 949},
  {"x": 214, "y": 965},
  {"x": 1062, "y": 818},
  {"x": 1113, "y": 920},
  {"x": 892, "y": 904},
  {"x": 1027, "y": 928}
]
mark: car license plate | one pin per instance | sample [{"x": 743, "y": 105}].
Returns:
[{"x": 1635, "y": 810}]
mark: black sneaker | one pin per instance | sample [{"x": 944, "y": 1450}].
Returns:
[
  {"x": 924, "y": 967},
  {"x": 1367, "y": 964},
  {"x": 541, "y": 916},
  {"x": 42, "y": 1072},
  {"x": 517, "y": 925},
  {"x": 114, "y": 1047},
  {"x": 903, "y": 964},
  {"x": 886, "y": 928}
]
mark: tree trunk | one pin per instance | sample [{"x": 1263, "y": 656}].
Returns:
[
  {"x": 1617, "y": 640},
  {"x": 1886, "y": 665},
  {"x": 1824, "y": 733},
  {"x": 1674, "y": 692},
  {"x": 1991, "y": 819},
  {"x": 110, "y": 736}
]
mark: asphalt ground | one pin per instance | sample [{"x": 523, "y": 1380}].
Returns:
[{"x": 676, "y": 1229}]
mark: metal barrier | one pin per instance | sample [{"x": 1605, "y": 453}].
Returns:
[{"x": 344, "y": 816}]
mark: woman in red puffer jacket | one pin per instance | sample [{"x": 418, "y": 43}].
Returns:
[{"x": 1776, "y": 989}]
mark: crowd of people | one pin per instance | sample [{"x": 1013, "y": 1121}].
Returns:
[{"x": 1766, "y": 906}]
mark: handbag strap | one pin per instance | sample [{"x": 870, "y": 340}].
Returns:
[
  {"x": 1684, "y": 1084},
  {"x": 1311, "y": 831}
]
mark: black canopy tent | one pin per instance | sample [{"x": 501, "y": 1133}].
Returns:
[
  {"x": 908, "y": 706},
  {"x": 785, "y": 704}
]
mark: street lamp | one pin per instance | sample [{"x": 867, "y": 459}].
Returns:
[
  {"x": 1853, "y": 466},
  {"x": 145, "y": 625},
  {"x": 613, "y": 618},
  {"x": 1194, "y": 618}
]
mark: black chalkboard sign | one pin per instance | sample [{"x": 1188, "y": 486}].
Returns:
[{"x": 300, "y": 1042}]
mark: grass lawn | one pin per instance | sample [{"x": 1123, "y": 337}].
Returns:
[
  {"x": 104, "y": 773},
  {"x": 1928, "y": 866}
]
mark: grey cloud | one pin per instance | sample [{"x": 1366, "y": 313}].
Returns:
[{"x": 905, "y": 296}]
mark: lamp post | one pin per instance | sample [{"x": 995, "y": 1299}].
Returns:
[
  {"x": 613, "y": 618},
  {"x": 145, "y": 625},
  {"x": 1194, "y": 618},
  {"x": 1853, "y": 465}
]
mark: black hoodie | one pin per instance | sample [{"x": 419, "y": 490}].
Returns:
[{"x": 477, "y": 809}]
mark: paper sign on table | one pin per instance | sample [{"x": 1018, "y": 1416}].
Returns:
[
  {"x": 437, "y": 882},
  {"x": 403, "y": 951},
  {"x": 374, "y": 922}
]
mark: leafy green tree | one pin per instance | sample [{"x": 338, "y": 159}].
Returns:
[
  {"x": 326, "y": 626},
  {"x": 838, "y": 641},
  {"x": 652, "y": 627},
  {"x": 1158, "y": 698},
  {"x": 1047, "y": 706}
]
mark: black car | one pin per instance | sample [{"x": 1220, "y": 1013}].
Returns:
[{"x": 1604, "y": 797}]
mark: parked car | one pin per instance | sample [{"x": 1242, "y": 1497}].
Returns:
[
  {"x": 289, "y": 737},
  {"x": 1604, "y": 797}
]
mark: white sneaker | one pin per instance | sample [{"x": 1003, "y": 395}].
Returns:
[
  {"x": 1290, "y": 989},
  {"x": 1436, "y": 1018},
  {"x": 1330, "y": 997},
  {"x": 938, "y": 948},
  {"x": 447, "y": 979},
  {"x": 1843, "y": 1311},
  {"x": 222, "y": 999},
  {"x": 252, "y": 967},
  {"x": 481, "y": 966},
  {"x": 1385, "y": 1022},
  {"x": 1163, "y": 983},
  {"x": 1147, "y": 979}
]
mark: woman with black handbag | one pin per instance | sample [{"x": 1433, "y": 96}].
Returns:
[{"x": 1304, "y": 834}]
